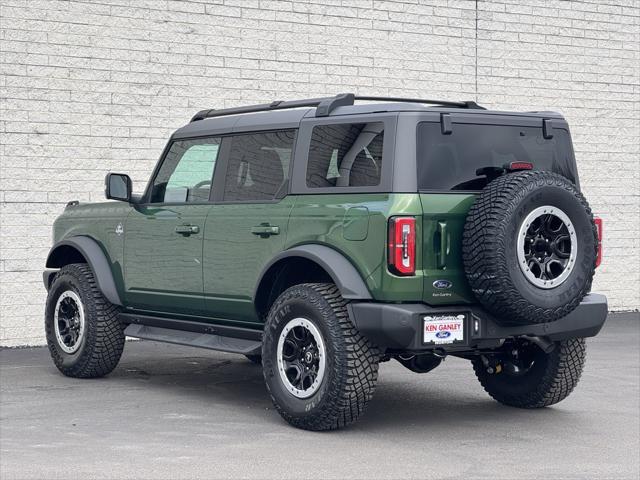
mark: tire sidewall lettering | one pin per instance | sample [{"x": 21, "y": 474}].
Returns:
[{"x": 297, "y": 306}]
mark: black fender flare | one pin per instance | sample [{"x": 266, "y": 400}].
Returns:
[
  {"x": 343, "y": 273},
  {"x": 95, "y": 257}
]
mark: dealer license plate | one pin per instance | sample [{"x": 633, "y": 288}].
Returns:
[{"x": 443, "y": 329}]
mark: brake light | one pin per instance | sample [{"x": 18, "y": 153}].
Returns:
[
  {"x": 598, "y": 222},
  {"x": 401, "y": 255},
  {"x": 514, "y": 166}
]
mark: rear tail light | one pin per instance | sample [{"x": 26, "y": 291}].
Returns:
[
  {"x": 401, "y": 255},
  {"x": 598, "y": 222}
]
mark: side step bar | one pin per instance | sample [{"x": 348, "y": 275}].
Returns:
[{"x": 194, "y": 339}]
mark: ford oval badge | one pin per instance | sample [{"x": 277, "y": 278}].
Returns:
[
  {"x": 442, "y": 284},
  {"x": 443, "y": 334}
]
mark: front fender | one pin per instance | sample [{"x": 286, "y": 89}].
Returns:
[{"x": 62, "y": 253}]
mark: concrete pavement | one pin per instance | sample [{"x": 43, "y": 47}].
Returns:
[{"x": 177, "y": 412}]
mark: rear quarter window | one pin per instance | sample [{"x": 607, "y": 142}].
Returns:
[
  {"x": 345, "y": 155},
  {"x": 449, "y": 162}
]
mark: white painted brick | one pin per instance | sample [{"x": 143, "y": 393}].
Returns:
[{"x": 87, "y": 87}]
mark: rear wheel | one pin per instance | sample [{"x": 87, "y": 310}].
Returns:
[
  {"x": 319, "y": 371},
  {"x": 84, "y": 335},
  {"x": 523, "y": 375}
]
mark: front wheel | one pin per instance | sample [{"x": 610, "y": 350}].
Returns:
[
  {"x": 522, "y": 375},
  {"x": 319, "y": 371},
  {"x": 84, "y": 335}
]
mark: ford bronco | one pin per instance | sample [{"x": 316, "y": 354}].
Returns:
[{"x": 321, "y": 237}]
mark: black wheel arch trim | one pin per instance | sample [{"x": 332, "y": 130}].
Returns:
[
  {"x": 342, "y": 272},
  {"x": 96, "y": 259}
]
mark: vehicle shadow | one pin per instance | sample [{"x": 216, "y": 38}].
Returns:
[{"x": 401, "y": 399}]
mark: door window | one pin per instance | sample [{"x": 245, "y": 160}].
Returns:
[
  {"x": 258, "y": 166},
  {"x": 345, "y": 155},
  {"x": 186, "y": 174}
]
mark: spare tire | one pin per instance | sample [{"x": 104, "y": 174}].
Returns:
[{"x": 529, "y": 247}]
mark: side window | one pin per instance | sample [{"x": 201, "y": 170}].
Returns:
[
  {"x": 345, "y": 155},
  {"x": 258, "y": 165},
  {"x": 187, "y": 172}
]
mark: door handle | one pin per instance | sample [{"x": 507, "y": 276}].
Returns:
[
  {"x": 265, "y": 230},
  {"x": 187, "y": 230},
  {"x": 445, "y": 245}
]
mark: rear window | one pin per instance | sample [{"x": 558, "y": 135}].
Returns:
[
  {"x": 449, "y": 162},
  {"x": 345, "y": 155}
]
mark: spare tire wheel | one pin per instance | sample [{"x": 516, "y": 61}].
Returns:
[{"x": 530, "y": 247}]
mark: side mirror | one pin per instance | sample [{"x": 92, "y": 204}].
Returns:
[{"x": 118, "y": 187}]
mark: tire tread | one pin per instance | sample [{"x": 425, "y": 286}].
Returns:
[
  {"x": 355, "y": 368},
  {"x": 107, "y": 338},
  {"x": 485, "y": 240},
  {"x": 563, "y": 371}
]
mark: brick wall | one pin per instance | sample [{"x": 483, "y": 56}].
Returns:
[{"x": 93, "y": 86}]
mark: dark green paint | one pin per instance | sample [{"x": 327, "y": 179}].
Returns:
[
  {"x": 213, "y": 272},
  {"x": 443, "y": 222}
]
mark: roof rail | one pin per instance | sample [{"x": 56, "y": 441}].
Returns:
[
  {"x": 324, "y": 106},
  {"x": 444, "y": 103}
]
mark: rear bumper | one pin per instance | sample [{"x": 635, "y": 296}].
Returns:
[{"x": 399, "y": 326}]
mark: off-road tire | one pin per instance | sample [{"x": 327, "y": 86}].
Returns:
[
  {"x": 489, "y": 247},
  {"x": 549, "y": 382},
  {"x": 352, "y": 361},
  {"x": 103, "y": 340}
]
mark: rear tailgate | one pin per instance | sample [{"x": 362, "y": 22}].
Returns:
[
  {"x": 443, "y": 221},
  {"x": 449, "y": 163}
]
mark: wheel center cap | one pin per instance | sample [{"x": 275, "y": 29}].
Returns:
[
  {"x": 308, "y": 357},
  {"x": 540, "y": 246}
]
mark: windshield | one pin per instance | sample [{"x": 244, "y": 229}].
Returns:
[{"x": 450, "y": 162}]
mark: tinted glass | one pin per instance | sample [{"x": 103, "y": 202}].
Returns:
[
  {"x": 345, "y": 155},
  {"x": 258, "y": 165},
  {"x": 187, "y": 172},
  {"x": 449, "y": 162}
]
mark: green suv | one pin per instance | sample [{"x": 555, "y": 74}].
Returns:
[{"x": 321, "y": 237}]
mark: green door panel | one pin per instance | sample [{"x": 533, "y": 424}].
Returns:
[
  {"x": 444, "y": 217},
  {"x": 239, "y": 240},
  {"x": 163, "y": 267}
]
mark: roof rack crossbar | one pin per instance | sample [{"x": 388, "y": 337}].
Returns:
[{"x": 325, "y": 105}]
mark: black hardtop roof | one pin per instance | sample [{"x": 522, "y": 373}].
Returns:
[{"x": 288, "y": 114}]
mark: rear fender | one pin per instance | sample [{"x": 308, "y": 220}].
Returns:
[{"x": 342, "y": 272}]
